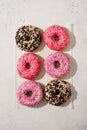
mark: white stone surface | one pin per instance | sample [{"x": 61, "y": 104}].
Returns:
[{"x": 43, "y": 13}]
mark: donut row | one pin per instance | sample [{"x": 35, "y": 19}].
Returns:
[
  {"x": 56, "y": 92},
  {"x": 56, "y": 64},
  {"x": 29, "y": 38}
]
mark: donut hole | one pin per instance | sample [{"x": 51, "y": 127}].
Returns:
[
  {"x": 28, "y": 93},
  {"x": 57, "y": 92},
  {"x": 56, "y": 37},
  {"x": 27, "y": 65},
  {"x": 56, "y": 64}
]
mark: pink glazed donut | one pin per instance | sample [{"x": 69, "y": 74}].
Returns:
[
  {"x": 28, "y": 65},
  {"x": 57, "y": 64},
  {"x": 56, "y": 37},
  {"x": 29, "y": 93}
]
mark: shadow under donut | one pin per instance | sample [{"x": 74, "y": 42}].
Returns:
[
  {"x": 73, "y": 68},
  {"x": 72, "y": 98},
  {"x": 72, "y": 41},
  {"x": 42, "y": 71}
]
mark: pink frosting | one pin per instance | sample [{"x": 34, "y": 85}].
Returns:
[
  {"x": 28, "y": 65},
  {"x": 64, "y": 64},
  {"x": 56, "y": 37},
  {"x": 34, "y": 98}
]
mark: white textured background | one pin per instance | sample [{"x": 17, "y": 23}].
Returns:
[{"x": 43, "y": 13}]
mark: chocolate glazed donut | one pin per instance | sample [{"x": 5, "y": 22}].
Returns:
[
  {"x": 57, "y": 92},
  {"x": 28, "y": 38}
]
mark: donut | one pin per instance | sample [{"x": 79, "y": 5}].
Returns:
[
  {"x": 57, "y": 64},
  {"x": 56, "y": 37},
  {"x": 29, "y": 93},
  {"x": 28, "y": 38},
  {"x": 28, "y": 65},
  {"x": 57, "y": 92}
]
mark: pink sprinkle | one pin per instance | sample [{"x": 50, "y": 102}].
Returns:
[
  {"x": 28, "y": 65},
  {"x": 29, "y": 93},
  {"x": 56, "y": 37},
  {"x": 57, "y": 64}
]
